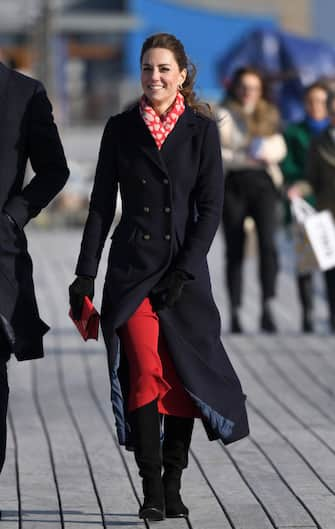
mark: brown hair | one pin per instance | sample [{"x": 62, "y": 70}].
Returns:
[
  {"x": 236, "y": 79},
  {"x": 170, "y": 42},
  {"x": 317, "y": 85}
]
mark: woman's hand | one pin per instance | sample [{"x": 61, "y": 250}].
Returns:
[
  {"x": 82, "y": 286},
  {"x": 168, "y": 291}
]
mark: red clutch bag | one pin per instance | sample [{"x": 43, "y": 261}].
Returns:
[{"x": 88, "y": 325}]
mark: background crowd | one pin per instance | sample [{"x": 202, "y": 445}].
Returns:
[{"x": 268, "y": 163}]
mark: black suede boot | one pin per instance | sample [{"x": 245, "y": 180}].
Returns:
[
  {"x": 145, "y": 425},
  {"x": 235, "y": 322},
  {"x": 330, "y": 292},
  {"x": 267, "y": 320},
  {"x": 177, "y": 440},
  {"x": 305, "y": 290}
]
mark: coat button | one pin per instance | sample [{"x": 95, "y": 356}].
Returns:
[
  {"x": 167, "y": 237},
  {"x": 167, "y": 210},
  {"x": 143, "y": 180},
  {"x": 165, "y": 181},
  {"x": 146, "y": 237},
  {"x": 146, "y": 209}
]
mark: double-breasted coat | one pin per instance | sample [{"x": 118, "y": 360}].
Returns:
[
  {"x": 27, "y": 130},
  {"x": 171, "y": 208}
]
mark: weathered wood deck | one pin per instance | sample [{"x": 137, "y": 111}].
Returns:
[{"x": 64, "y": 468}]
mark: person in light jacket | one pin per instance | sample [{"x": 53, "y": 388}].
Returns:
[
  {"x": 252, "y": 147},
  {"x": 160, "y": 323}
]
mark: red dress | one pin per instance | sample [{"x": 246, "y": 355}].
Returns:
[{"x": 151, "y": 371}]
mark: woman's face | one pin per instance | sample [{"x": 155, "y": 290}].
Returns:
[
  {"x": 249, "y": 90},
  {"x": 316, "y": 104},
  {"x": 161, "y": 77}
]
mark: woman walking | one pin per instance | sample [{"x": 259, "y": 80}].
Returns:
[
  {"x": 320, "y": 173},
  {"x": 160, "y": 323},
  {"x": 252, "y": 148},
  {"x": 298, "y": 137}
]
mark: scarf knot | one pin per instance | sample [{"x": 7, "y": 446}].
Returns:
[{"x": 161, "y": 126}]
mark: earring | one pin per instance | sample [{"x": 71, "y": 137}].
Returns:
[{"x": 180, "y": 87}]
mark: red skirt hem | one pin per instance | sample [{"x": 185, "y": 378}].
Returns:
[{"x": 152, "y": 373}]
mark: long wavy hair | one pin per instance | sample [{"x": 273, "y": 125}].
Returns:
[{"x": 171, "y": 43}]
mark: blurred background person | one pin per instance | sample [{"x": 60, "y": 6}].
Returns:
[
  {"x": 252, "y": 147},
  {"x": 298, "y": 137},
  {"x": 320, "y": 173}
]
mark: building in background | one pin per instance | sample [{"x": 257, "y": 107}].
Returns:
[
  {"x": 292, "y": 15},
  {"x": 87, "y": 51},
  {"x": 323, "y": 14}
]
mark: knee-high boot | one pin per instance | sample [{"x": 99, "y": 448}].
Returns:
[
  {"x": 176, "y": 444},
  {"x": 145, "y": 425}
]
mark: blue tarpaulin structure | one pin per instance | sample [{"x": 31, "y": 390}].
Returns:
[{"x": 290, "y": 61}]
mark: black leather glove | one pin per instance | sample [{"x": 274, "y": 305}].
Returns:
[
  {"x": 82, "y": 286},
  {"x": 169, "y": 289}
]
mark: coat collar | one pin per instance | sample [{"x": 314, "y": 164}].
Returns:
[{"x": 184, "y": 128}]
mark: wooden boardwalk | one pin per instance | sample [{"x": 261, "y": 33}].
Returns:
[{"x": 65, "y": 469}]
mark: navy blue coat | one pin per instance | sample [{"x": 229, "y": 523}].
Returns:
[
  {"x": 171, "y": 207},
  {"x": 27, "y": 130}
]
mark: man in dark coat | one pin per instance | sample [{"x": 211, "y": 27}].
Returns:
[{"x": 27, "y": 130}]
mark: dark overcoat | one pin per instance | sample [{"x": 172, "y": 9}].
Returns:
[
  {"x": 27, "y": 131},
  {"x": 171, "y": 207}
]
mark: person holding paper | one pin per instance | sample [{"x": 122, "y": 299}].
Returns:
[
  {"x": 160, "y": 323},
  {"x": 320, "y": 173},
  {"x": 27, "y": 131},
  {"x": 298, "y": 137}
]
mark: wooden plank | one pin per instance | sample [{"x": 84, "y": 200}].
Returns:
[
  {"x": 8, "y": 492},
  {"x": 78, "y": 498},
  {"x": 241, "y": 505},
  {"x": 38, "y": 494},
  {"x": 300, "y": 478},
  {"x": 296, "y": 379}
]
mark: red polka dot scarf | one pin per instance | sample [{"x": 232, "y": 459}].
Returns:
[{"x": 161, "y": 126}]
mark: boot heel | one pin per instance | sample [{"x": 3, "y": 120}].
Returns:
[{"x": 153, "y": 514}]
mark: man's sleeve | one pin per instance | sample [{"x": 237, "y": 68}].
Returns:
[{"x": 47, "y": 158}]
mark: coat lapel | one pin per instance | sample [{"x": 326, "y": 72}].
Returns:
[
  {"x": 184, "y": 128},
  {"x": 142, "y": 137}
]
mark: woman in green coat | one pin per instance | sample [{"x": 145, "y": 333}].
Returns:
[
  {"x": 298, "y": 137},
  {"x": 320, "y": 173}
]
